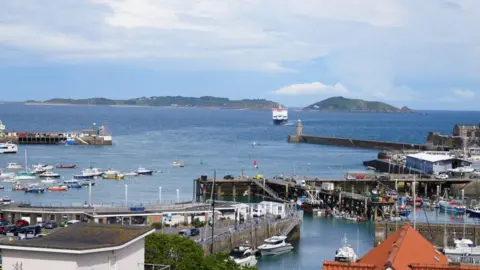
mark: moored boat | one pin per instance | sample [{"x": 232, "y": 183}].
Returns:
[
  {"x": 275, "y": 245},
  {"x": 463, "y": 247},
  {"x": 87, "y": 183},
  {"x": 453, "y": 206},
  {"x": 72, "y": 184},
  {"x": 112, "y": 174},
  {"x": 8, "y": 148},
  {"x": 243, "y": 256},
  {"x": 345, "y": 253},
  {"x": 131, "y": 174},
  {"x": 66, "y": 166},
  {"x": 178, "y": 164},
  {"x": 84, "y": 176},
  {"x": 49, "y": 174},
  {"x": 48, "y": 181},
  {"x": 34, "y": 188},
  {"x": 58, "y": 188},
  {"x": 4, "y": 175},
  {"x": 143, "y": 171},
  {"x": 474, "y": 209},
  {"x": 18, "y": 187},
  {"x": 14, "y": 166},
  {"x": 25, "y": 177}
]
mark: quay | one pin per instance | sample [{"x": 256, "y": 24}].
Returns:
[
  {"x": 94, "y": 136},
  {"x": 438, "y": 234},
  {"x": 463, "y": 136}
]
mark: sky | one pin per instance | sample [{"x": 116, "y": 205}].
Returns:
[{"x": 423, "y": 54}]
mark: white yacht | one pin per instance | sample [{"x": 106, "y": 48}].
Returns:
[
  {"x": 49, "y": 174},
  {"x": 4, "y": 175},
  {"x": 92, "y": 171},
  {"x": 8, "y": 148},
  {"x": 275, "y": 245},
  {"x": 14, "y": 166},
  {"x": 48, "y": 180},
  {"x": 24, "y": 177},
  {"x": 345, "y": 253},
  {"x": 244, "y": 256},
  {"x": 39, "y": 170},
  {"x": 143, "y": 171},
  {"x": 463, "y": 247},
  {"x": 178, "y": 164}
]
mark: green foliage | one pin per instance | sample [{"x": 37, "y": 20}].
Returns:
[
  {"x": 198, "y": 224},
  {"x": 182, "y": 253},
  {"x": 346, "y": 104}
]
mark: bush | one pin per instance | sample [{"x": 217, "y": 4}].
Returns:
[
  {"x": 159, "y": 225},
  {"x": 198, "y": 224}
]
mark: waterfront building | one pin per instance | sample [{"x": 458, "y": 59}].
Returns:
[
  {"x": 433, "y": 163},
  {"x": 80, "y": 246},
  {"x": 406, "y": 249}
]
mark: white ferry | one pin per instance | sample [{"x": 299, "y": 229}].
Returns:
[{"x": 280, "y": 115}]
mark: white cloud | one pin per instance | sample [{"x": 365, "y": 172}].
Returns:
[
  {"x": 463, "y": 93},
  {"x": 314, "y": 88}
]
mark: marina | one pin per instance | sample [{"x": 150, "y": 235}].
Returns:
[{"x": 121, "y": 200}]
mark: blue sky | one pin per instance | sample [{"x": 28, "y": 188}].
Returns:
[{"x": 424, "y": 54}]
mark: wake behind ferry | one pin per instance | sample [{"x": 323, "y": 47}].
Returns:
[{"x": 280, "y": 115}]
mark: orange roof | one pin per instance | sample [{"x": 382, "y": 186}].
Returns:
[
  {"x": 333, "y": 265},
  {"x": 444, "y": 267},
  {"x": 404, "y": 247}
]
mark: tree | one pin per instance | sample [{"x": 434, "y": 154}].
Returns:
[{"x": 182, "y": 253}]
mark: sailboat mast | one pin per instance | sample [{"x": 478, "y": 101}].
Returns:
[
  {"x": 358, "y": 241},
  {"x": 26, "y": 164}
]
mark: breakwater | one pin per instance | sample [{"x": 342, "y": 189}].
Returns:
[
  {"x": 355, "y": 143},
  {"x": 438, "y": 234}
]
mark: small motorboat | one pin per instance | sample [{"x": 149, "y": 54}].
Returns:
[
  {"x": 345, "y": 253},
  {"x": 178, "y": 164},
  {"x": 48, "y": 180},
  {"x": 43, "y": 166},
  {"x": 112, "y": 174},
  {"x": 275, "y": 245},
  {"x": 143, "y": 171},
  {"x": 4, "y": 175},
  {"x": 39, "y": 170},
  {"x": 72, "y": 184},
  {"x": 453, "y": 206},
  {"x": 49, "y": 174},
  {"x": 25, "y": 177},
  {"x": 244, "y": 256},
  {"x": 18, "y": 187},
  {"x": 8, "y": 147},
  {"x": 58, "y": 188},
  {"x": 5, "y": 200},
  {"x": 84, "y": 176},
  {"x": 2, "y": 187},
  {"x": 14, "y": 166},
  {"x": 130, "y": 174},
  {"x": 34, "y": 188},
  {"x": 97, "y": 172},
  {"x": 61, "y": 166},
  {"x": 474, "y": 209},
  {"x": 87, "y": 183},
  {"x": 10, "y": 180}
]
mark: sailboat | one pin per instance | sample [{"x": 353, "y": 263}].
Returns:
[{"x": 26, "y": 175}]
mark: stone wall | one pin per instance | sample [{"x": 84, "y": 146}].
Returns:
[{"x": 356, "y": 143}]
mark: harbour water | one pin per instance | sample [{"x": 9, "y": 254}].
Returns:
[{"x": 221, "y": 140}]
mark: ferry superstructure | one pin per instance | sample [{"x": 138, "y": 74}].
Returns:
[{"x": 280, "y": 115}]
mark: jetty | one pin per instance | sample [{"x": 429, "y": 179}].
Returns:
[
  {"x": 94, "y": 136},
  {"x": 463, "y": 136}
]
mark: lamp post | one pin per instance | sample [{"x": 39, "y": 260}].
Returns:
[
  {"x": 126, "y": 195},
  {"x": 178, "y": 195},
  {"x": 89, "y": 193},
  {"x": 213, "y": 209}
]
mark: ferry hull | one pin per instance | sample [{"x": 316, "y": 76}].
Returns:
[{"x": 280, "y": 122}]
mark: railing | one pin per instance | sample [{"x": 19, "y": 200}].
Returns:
[{"x": 270, "y": 191}]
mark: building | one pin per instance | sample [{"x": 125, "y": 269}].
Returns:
[
  {"x": 433, "y": 163},
  {"x": 80, "y": 246},
  {"x": 406, "y": 249}
]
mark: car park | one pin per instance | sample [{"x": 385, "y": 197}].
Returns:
[
  {"x": 50, "y": 225},
  {"x": 71, "y": 222},
  {"x": 22, "y": 223}
]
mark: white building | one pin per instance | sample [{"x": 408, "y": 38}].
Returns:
[
  {"x": 272, "y": 208},
  {"x": 85, "y": 246}
]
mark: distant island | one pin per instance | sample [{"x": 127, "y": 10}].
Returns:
[
  {"x": 168, "y": 101},
  {"x": 355, "y": 105}
]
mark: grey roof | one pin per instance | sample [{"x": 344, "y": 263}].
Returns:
[{"x": 85, "y": 236}]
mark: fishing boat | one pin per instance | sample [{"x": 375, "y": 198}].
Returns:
[
  {"x": 463, "y": 247},
  {"x": 243, "y": 256},
  {"x": 86, "y": 183},
  {"x": 5, "y": 200},
  {"x": 474, "y": 209},
  {"x": 275, "y": 245},
  {"x": 58, "y": 188},
  {"x": 49, "y": 174},
  {"x": 346, "y": 252},
  {"x": 143, "y": 171},
  {"x": 2, "y": 187},
  {"x": 66, "y": 166},
  {"x": 72, "y": 184},
  {"x": 178, "y": 164},
  {"x": 48, "y": 180},
  {"x": 18, "y": 187},
  {"x": 84, "y": 175},
  {"x": 8, "y": 148},
  {"x": 43, "y": 166},
  {"x": 34, "y": 188},
  {"x": 14, "y": 166},
  {"x": 453, "y": 206},
  {"x": 96, "y": 172}
]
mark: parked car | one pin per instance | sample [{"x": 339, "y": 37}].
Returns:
[
  {"x": 4, "y": 222},
  {"x": 228, "y": 177},
  {"x": 350, "y": 177},
  {"x": 71, "y": 222},
  {"x": 51, "y": 225},
  {"x": 185, "y": 232},
  {"x": 9, "y": 230},
  {"x": 194, "y": 232},
  {"x": 41, "y": 224},
  {"x": 22, "y": 223},
  {"x": 360, "y": 176},
  {"x": 2, "y": 229},
  {"x": 441, "y": 176}
]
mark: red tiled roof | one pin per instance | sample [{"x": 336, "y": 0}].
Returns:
[
  {"x": 403, "y": 248},
  {"x": 443, "y": 267},
  {"x": 333, "y": 265}
]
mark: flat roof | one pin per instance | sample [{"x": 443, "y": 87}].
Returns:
[
  {"x": 430, "y": 158},
  {"x": 83, "y": 238}
]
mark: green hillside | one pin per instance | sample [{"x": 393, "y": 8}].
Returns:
[{"x": 355, "y": 105}]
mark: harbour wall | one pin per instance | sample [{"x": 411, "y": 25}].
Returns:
[
  {"x": 54, "y": 140},
  {"x": 357, "y": 143},
  {"x": 434, "y": 232}
]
